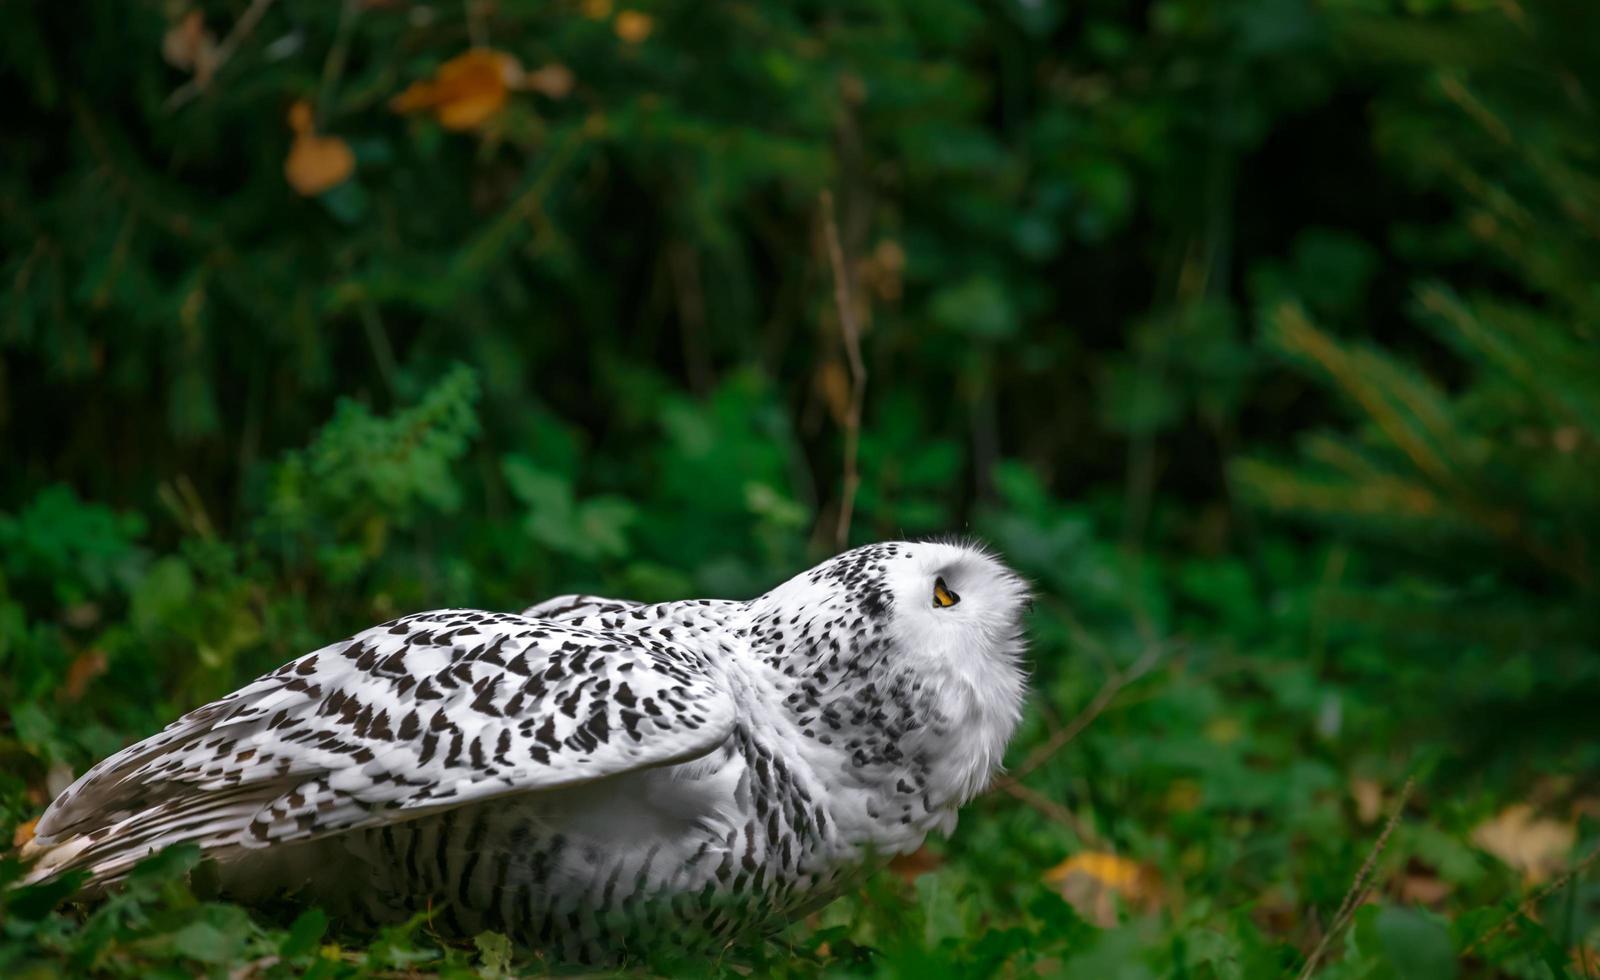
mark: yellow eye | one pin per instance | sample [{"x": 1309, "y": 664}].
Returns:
[{"x": 942, "y": 596}]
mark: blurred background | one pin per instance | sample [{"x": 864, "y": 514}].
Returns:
[{"x": 1260, "y": 334}]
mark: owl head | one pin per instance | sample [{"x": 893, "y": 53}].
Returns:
[{"x": 908, "y": 650}]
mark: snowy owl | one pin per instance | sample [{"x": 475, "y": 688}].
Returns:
[{"x": 594, "y": 777}]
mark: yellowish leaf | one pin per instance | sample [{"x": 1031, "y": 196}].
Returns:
[
  {"x": 1092, "y": 881},
  {"x": 633, "y": 26},
  {"x": 595, "y": 9},
  {"x": 466, "y": 91},
  {"x": 315, "y": 163},
  {"x": 1183, "y": 796},
  {"x": 1224, "y": 730},
  {"x": 1536, "y": 846}
]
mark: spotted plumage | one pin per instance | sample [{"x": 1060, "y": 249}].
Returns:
[{"x": 594, "y": 777}]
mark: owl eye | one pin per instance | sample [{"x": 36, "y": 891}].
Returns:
[{"x": 942, "y": 596}]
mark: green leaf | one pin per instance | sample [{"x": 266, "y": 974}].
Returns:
[
  {"x": 977, "y": 306},
  {"x": 205, "y": 942},
  {"x": 1416, "y": 945},
  {"x": 304, "y": 934},
  {"x": 494, "y": 954},
  {"x": 164, "y": 592},
  {"x": 30, "y": 903},
  {"x": 1135, "y": 400}
]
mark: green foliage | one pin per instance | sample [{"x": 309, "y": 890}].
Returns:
[{"x": 1259, "y": 335}]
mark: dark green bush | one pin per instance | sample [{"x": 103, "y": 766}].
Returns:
[{"x": 1260, "y": 334}]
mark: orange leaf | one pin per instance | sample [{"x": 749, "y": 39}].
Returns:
[
  {"x": 1091, "y": 882},
  {"x": 85, "y": 668},
  {"x": 466, "y": 91},
  {"x": 300, "y": 116},
  {"x": 919, "y": 862},
  {"x": 633, "y": 26},
  {"x": 23, "y": 833},
  {"x": 315, "y": 163}
]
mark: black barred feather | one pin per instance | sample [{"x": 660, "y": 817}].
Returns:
[{"x": 594, "y": 777}]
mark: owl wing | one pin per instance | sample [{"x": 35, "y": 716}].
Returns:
[
  {"x": 422, "y": 714},
  {"x": 577, "y": 608}
]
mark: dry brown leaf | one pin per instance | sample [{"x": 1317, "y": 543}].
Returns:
[
  {"x": 23, "y": 833},
  {"x": 1276, "y": 910},
  {"x": 595, "y": 9},
  {"x": 466, "y": 91},
  {"x": 1424, "y": 889},
  {"x": 189, "y": 46},
  {"x": 554, "y": 80},
  {"x": 1536, "y": 846},
  {"x": 81, "y": 616},
  {"x": 633, "y": 26},
  {"x": 882, "y": 271},
  {"x": 1368, "y": 797},
  {"x": 1092, "y": 881},
  {"x": 833, "y": 384},
  {"x": 315, "y": 163},
  {"x": 916, "y": 864},
  {"x": 85, "y": 667}
]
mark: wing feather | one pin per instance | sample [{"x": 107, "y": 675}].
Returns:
[{"x": 428, "y": 712}]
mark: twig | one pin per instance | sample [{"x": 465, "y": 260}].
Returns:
[
  {"x": 338, "y": 52},
  {"x": 1538, "y": 895},
  {"x": 241, "y": 30},
  {"x": 477, "y": 34},
  {"x": 1050, "y": 808},
  {"x": 1358, "y": 888},
  {"x": 851, "y": 332},
  {"x": 683, "y": 266},
  {"x": 1102, "y": 700}
]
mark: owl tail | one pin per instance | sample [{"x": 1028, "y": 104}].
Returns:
[{"x": 111, "y": 849}]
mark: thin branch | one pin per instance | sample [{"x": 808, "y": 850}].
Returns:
[
  {"x": 683, "y": 267},
  {"x": 1538, "y": 895},
  {"x": 477, "y": 33},
  {"x": 1051, "y": 809},
  {"x": 1358, "y": 888},
  {"x": 333, "y": 64},
  {"x": 850, "y": 331},
  {"x": 242, "y": 29},
  {"x": 1102, "y": 700}
]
